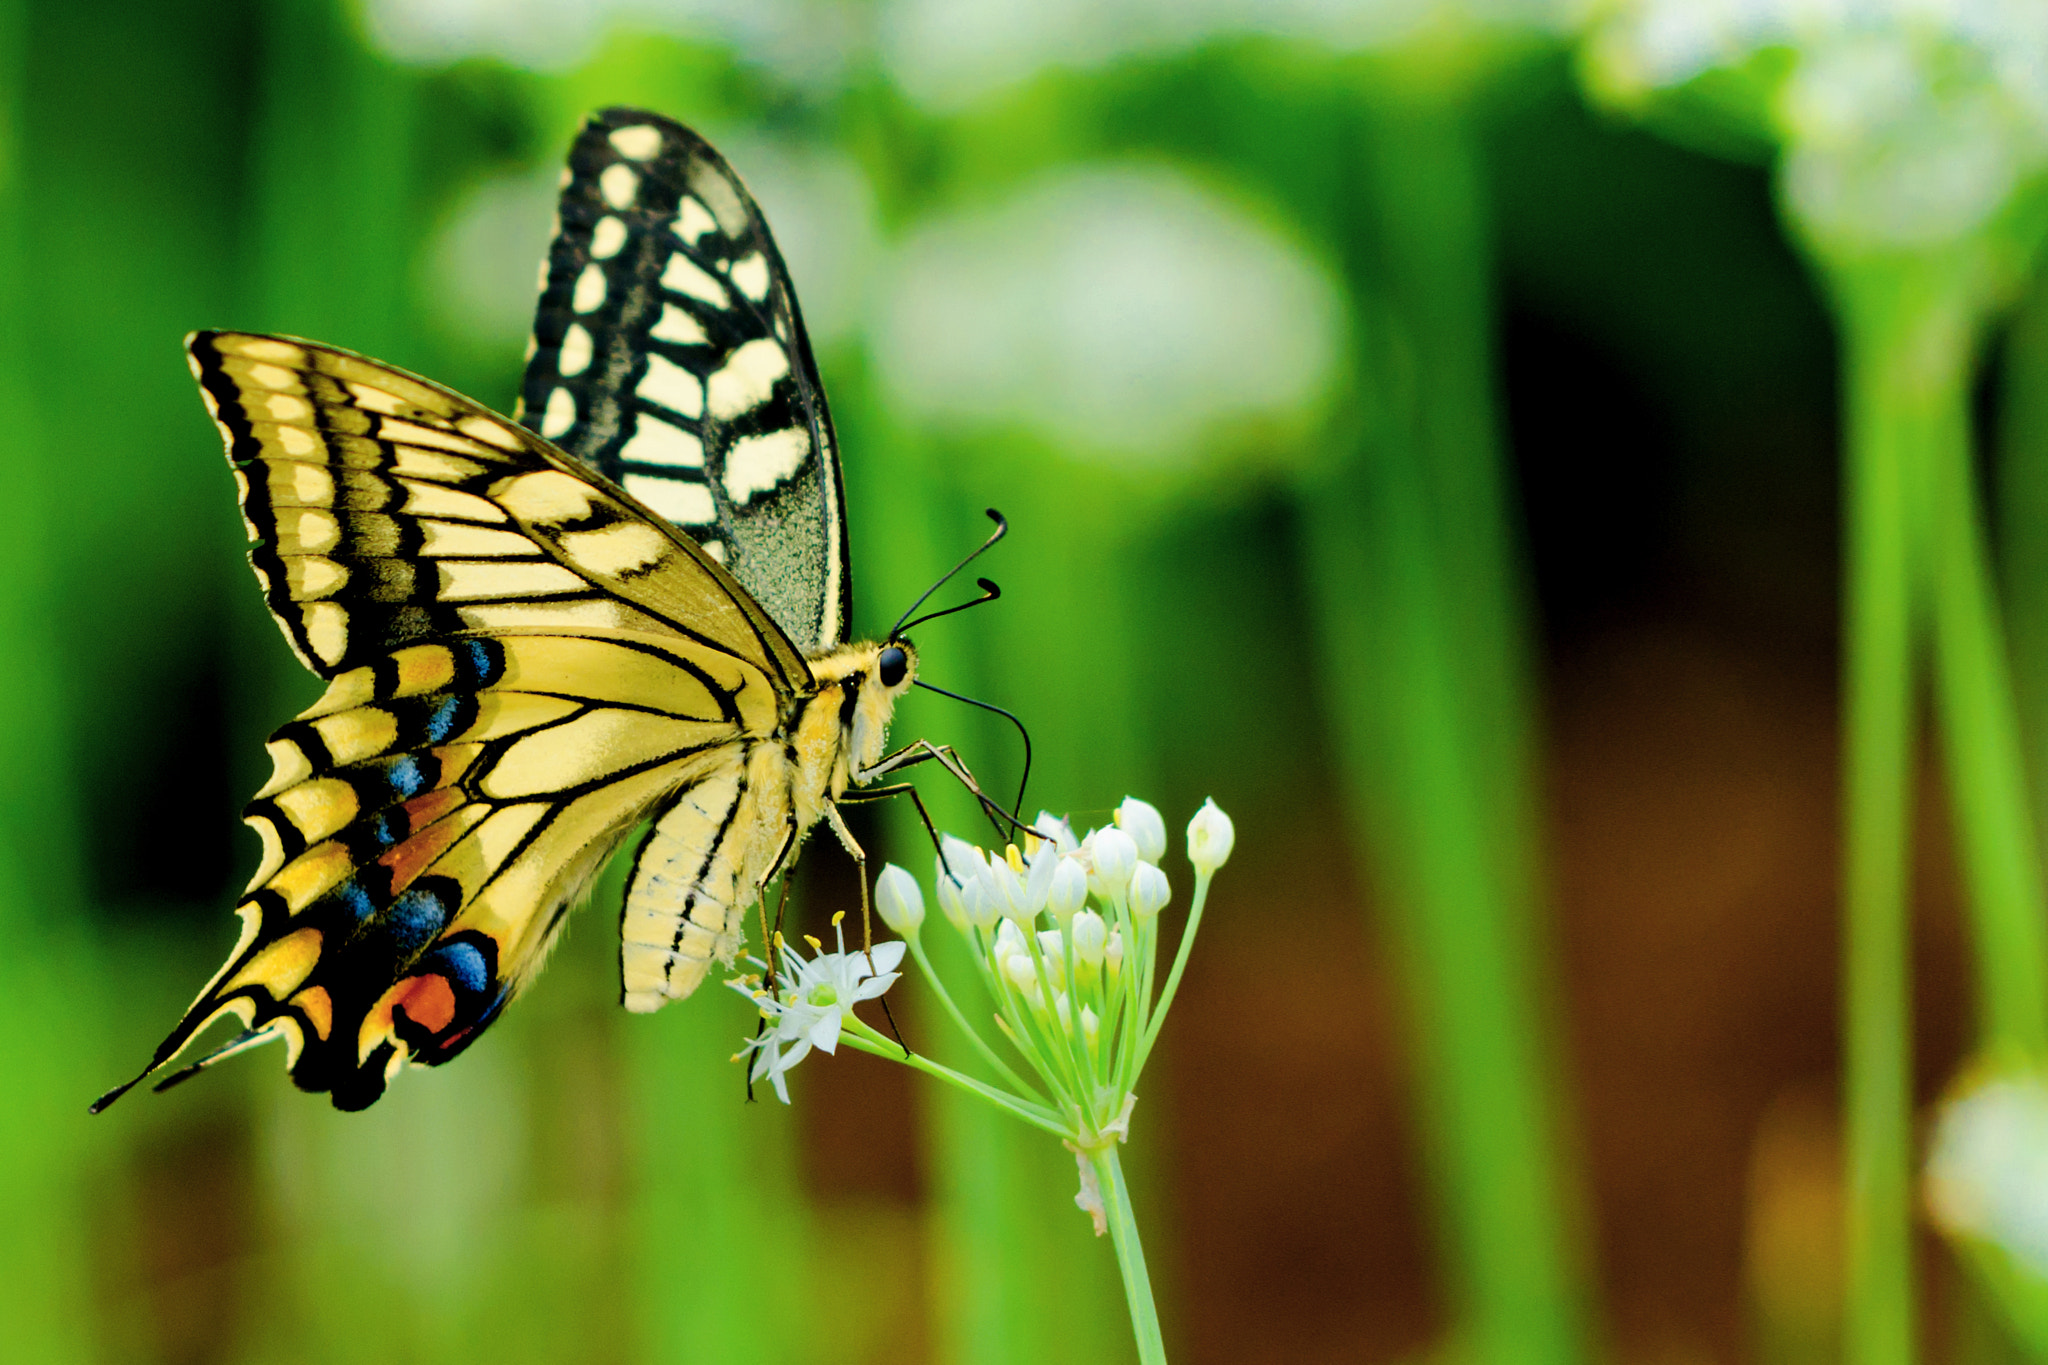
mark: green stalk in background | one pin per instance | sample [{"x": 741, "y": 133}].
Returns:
[
  {"x": 716, "y": 1197},
  {"x": 1889, "y": 425},
  {"x": 1914, "y": 273},
  {"x": 2022, "y": 482},
  {"x": 1915, "y": 543},
  {"x": 1979, "y": 716},
  {"x": 46, "y": 1041},
  {"x": 1422, "y": 620}
]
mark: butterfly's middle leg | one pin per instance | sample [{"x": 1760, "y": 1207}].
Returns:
[{"x": 867, "y": 937}]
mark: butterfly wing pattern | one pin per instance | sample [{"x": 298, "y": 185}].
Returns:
[
  {"x": 669, "y": 354},
  {"x": 521, "y": 663},
  {"x": 526, "y": 658}
]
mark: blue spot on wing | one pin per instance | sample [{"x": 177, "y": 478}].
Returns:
[
  {"x": 443, "y": 720},
  {"x": 416, "y": 917},
  {"x": 463, "y": 964}
]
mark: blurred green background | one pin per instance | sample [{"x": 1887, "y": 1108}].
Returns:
[{"x": 1439, "y": 473}]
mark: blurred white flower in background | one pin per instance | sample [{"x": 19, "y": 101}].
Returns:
[
  {"x": 483, "y": 265},
  {"x": 1987, "y": 1175},
  {"x": 807, "y": 41},
  {"x": 947, "y": 54},
  {"x": 1906, "y": 123},
  {"x": 1118, "y": 311}
]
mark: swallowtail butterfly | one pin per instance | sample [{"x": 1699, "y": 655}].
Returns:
[{"x": 536, "y": 637}]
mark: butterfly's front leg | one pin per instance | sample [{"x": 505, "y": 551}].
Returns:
[{"x": 924, "y": 751}]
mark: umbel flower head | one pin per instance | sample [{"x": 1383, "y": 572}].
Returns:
[{"x": 1064, "y": 934}]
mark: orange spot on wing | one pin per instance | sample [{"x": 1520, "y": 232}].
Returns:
[
  {"x": 429, "y": 1001},
  {"x": 418, "y": 853},
  {"x": 422, "y": 811}
]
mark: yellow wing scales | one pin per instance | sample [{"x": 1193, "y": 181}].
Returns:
[{"x": 521, "y": 665}]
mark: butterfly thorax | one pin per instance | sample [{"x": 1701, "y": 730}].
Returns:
[{"x": 844, "y": 729}]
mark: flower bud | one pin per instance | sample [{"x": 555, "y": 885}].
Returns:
[
  {"x": 1113, "y": 854},
  {"x": 1210, "y": 837},
  {"x": 1141, "y": 820},
  {"x": 950, "y": 897},
  {"x": 1091, "y": 1027},
  {"x": 1054, "y": 950},
  {"x": 1090, "y": 937},
  {"x": 1009, "y": 941},
  {"x": 1113, "y": 954},
  {"x": 979, "y": 905},
  {"x": 1058, "y": 831},
  {"x": 1023, "y": 974},
  {"x": 963, "y": 859},
  {"x": 899, "y": 900},
  {"x": 1149, "y": 891},
  {"x": 1069, "y": 889},
  {"x": 1008, "y": 892}
]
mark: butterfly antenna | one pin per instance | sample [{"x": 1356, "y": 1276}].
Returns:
[
  {"x": 1024, "y": 783},
  {"x": 1002, "y": 529},
  {"x": 989, "y": 593}
]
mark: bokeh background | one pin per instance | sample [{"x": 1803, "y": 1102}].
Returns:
[{"x": 1437, "y": 470}]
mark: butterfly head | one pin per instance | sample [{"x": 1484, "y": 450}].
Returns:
[{"x": 869, "y": 679}]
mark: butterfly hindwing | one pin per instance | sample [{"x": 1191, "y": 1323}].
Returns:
[
  {"x": 521, "y": 665},
  {"x": 669, "y": 354}
]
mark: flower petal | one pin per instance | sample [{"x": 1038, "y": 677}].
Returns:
[{"x": 876, "y": 985}]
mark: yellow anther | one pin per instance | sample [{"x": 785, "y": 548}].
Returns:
[
  {"x": 1016, "y": 859},
  {"x": 816, "y": 946},
  {"x": 838, "y": 917}
]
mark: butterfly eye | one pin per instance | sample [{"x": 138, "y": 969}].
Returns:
[{"x": 892, "y": 665}]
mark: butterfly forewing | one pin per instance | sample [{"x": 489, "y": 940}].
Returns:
[
  {"x": 669, "y": 354},
  {"x": 521, "y": 666}
]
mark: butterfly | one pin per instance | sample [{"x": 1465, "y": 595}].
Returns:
[{"x": 537, "y": 638}]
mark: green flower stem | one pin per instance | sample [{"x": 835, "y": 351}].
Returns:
[
  {"x": 856, "y": 1033},
  {"x": 1180, "y": 962},
  {"x": 1064, "y": 1035},
  {"x": 988, "y": 1054},
  {"x": 1895, "y": 417},
  {"x": 1130, "y": 1255},
  {"x": 1981, "y": 731}
]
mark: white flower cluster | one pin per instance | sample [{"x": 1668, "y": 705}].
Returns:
[
  {"x": 1906, "y": 123},
  {"x": 1066, "y": 940}
]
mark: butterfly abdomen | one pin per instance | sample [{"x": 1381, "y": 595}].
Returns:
[{"x": 698, "y": 869}]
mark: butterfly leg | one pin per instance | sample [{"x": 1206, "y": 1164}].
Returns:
[
  {"x": 770, "y": 938},
  {"x": 924, "y": 751},
  {"x": 867, "y": 940},
  {"x": 857, "y": 795}
]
